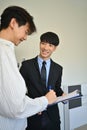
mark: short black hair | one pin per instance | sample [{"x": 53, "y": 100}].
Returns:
[
  {"x": 20, "y": 14},
  {"x": 50, "y": 37}
]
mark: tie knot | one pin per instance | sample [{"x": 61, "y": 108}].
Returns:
[{"x": 44, "y": 62}]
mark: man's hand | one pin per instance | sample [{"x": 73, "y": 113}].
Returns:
[{"x": 51, "y": 96}]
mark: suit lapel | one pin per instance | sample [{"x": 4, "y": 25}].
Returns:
[
  {"x": 36, "y": 65},
  {"x": 51, "y": 78}
]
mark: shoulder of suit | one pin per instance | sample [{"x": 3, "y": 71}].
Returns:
[
  {"x": 28, "y": 61},
  {"x": 56, "y": 64}
]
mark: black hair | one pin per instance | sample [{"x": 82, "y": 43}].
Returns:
[
  {"x": 50, "y": 37},
  {"x": 20, "y": 14}
]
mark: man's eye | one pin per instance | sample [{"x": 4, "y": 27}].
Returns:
[{"x": 50, "y": 45}]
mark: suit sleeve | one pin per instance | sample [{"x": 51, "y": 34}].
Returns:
[{"x": 58, "y": 88}]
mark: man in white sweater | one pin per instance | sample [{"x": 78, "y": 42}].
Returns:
[{"x": 15, "y": 106}]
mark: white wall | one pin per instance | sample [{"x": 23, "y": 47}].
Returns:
[{"x": 68, "y": 18}]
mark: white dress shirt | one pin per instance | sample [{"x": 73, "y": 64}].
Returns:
[{"x": 15, "y": 106}]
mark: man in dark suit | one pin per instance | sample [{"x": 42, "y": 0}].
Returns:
[{"x": 31, "y": 71}]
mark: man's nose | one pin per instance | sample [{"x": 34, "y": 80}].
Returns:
[{"x": 25, "y": 37}]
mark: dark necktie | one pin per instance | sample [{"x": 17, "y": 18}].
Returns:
[{"x": 43, "y": 73}]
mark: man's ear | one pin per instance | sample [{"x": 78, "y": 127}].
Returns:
[{"x": 13, "y": 22}]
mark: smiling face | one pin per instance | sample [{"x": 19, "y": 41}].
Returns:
[
  {"x": 46, "y": 49},
  {"x": 19, "y": 33}
]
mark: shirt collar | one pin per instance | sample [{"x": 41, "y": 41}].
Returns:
[
  {"x": 8, "y": 43},
  {"x": 41, "y": 60}
]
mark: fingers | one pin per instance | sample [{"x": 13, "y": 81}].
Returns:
[{"x": 51, "y": 96}]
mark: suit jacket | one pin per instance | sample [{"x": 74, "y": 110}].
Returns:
[{"x": 31, "y": 74}]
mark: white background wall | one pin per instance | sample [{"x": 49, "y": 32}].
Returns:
[{"x": 67, "y": 18}]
